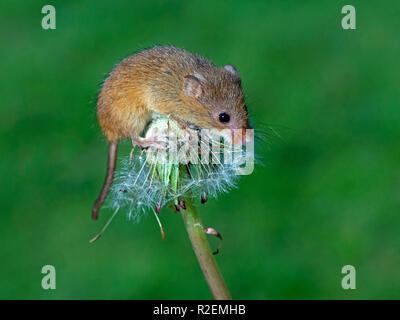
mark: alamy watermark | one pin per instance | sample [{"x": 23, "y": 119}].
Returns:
[
  {"x": 232, "y": 147},
  {"x": 49, "y": 280},
  {"x": 349, "y": 20},
  {"x": 349, "y": 280},
  {"x": 49, "y": 20}
]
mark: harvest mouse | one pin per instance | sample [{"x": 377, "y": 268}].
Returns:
[{"x": 168, "y": 81}]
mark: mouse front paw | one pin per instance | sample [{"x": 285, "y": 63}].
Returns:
[{"x": 156, "y": 142}]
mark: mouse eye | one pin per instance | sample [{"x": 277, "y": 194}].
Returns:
[{"x": 224, "y": 117}]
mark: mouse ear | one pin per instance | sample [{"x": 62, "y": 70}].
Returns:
[
  {"x": 193, "y": 86},
  {"x": 231, "y": 69}
]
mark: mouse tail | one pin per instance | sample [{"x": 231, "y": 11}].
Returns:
[{"x": 112, "y": 160}]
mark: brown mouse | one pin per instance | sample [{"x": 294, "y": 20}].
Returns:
[{"x": 166, "y": 80}]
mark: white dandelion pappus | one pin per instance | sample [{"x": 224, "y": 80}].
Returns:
[{"x": 162, "y": 175}]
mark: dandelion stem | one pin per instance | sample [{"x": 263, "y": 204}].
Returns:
[{"x": 203, "y": 252}]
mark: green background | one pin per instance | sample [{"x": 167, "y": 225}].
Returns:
[{"x": 326, "y": 195}]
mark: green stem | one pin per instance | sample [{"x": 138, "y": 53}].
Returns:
[{"x": 203, "y": 253}]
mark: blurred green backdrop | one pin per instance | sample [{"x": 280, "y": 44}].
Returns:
[{"x": 327, "y": 194}]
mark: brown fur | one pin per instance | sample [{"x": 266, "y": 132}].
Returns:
[{"x": 172, "y": 82}]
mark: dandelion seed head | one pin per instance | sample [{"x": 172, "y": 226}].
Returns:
[{"x": 146, "y": 182}]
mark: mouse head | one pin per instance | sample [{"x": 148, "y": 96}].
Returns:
[{"x": 216, "y": 99}]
